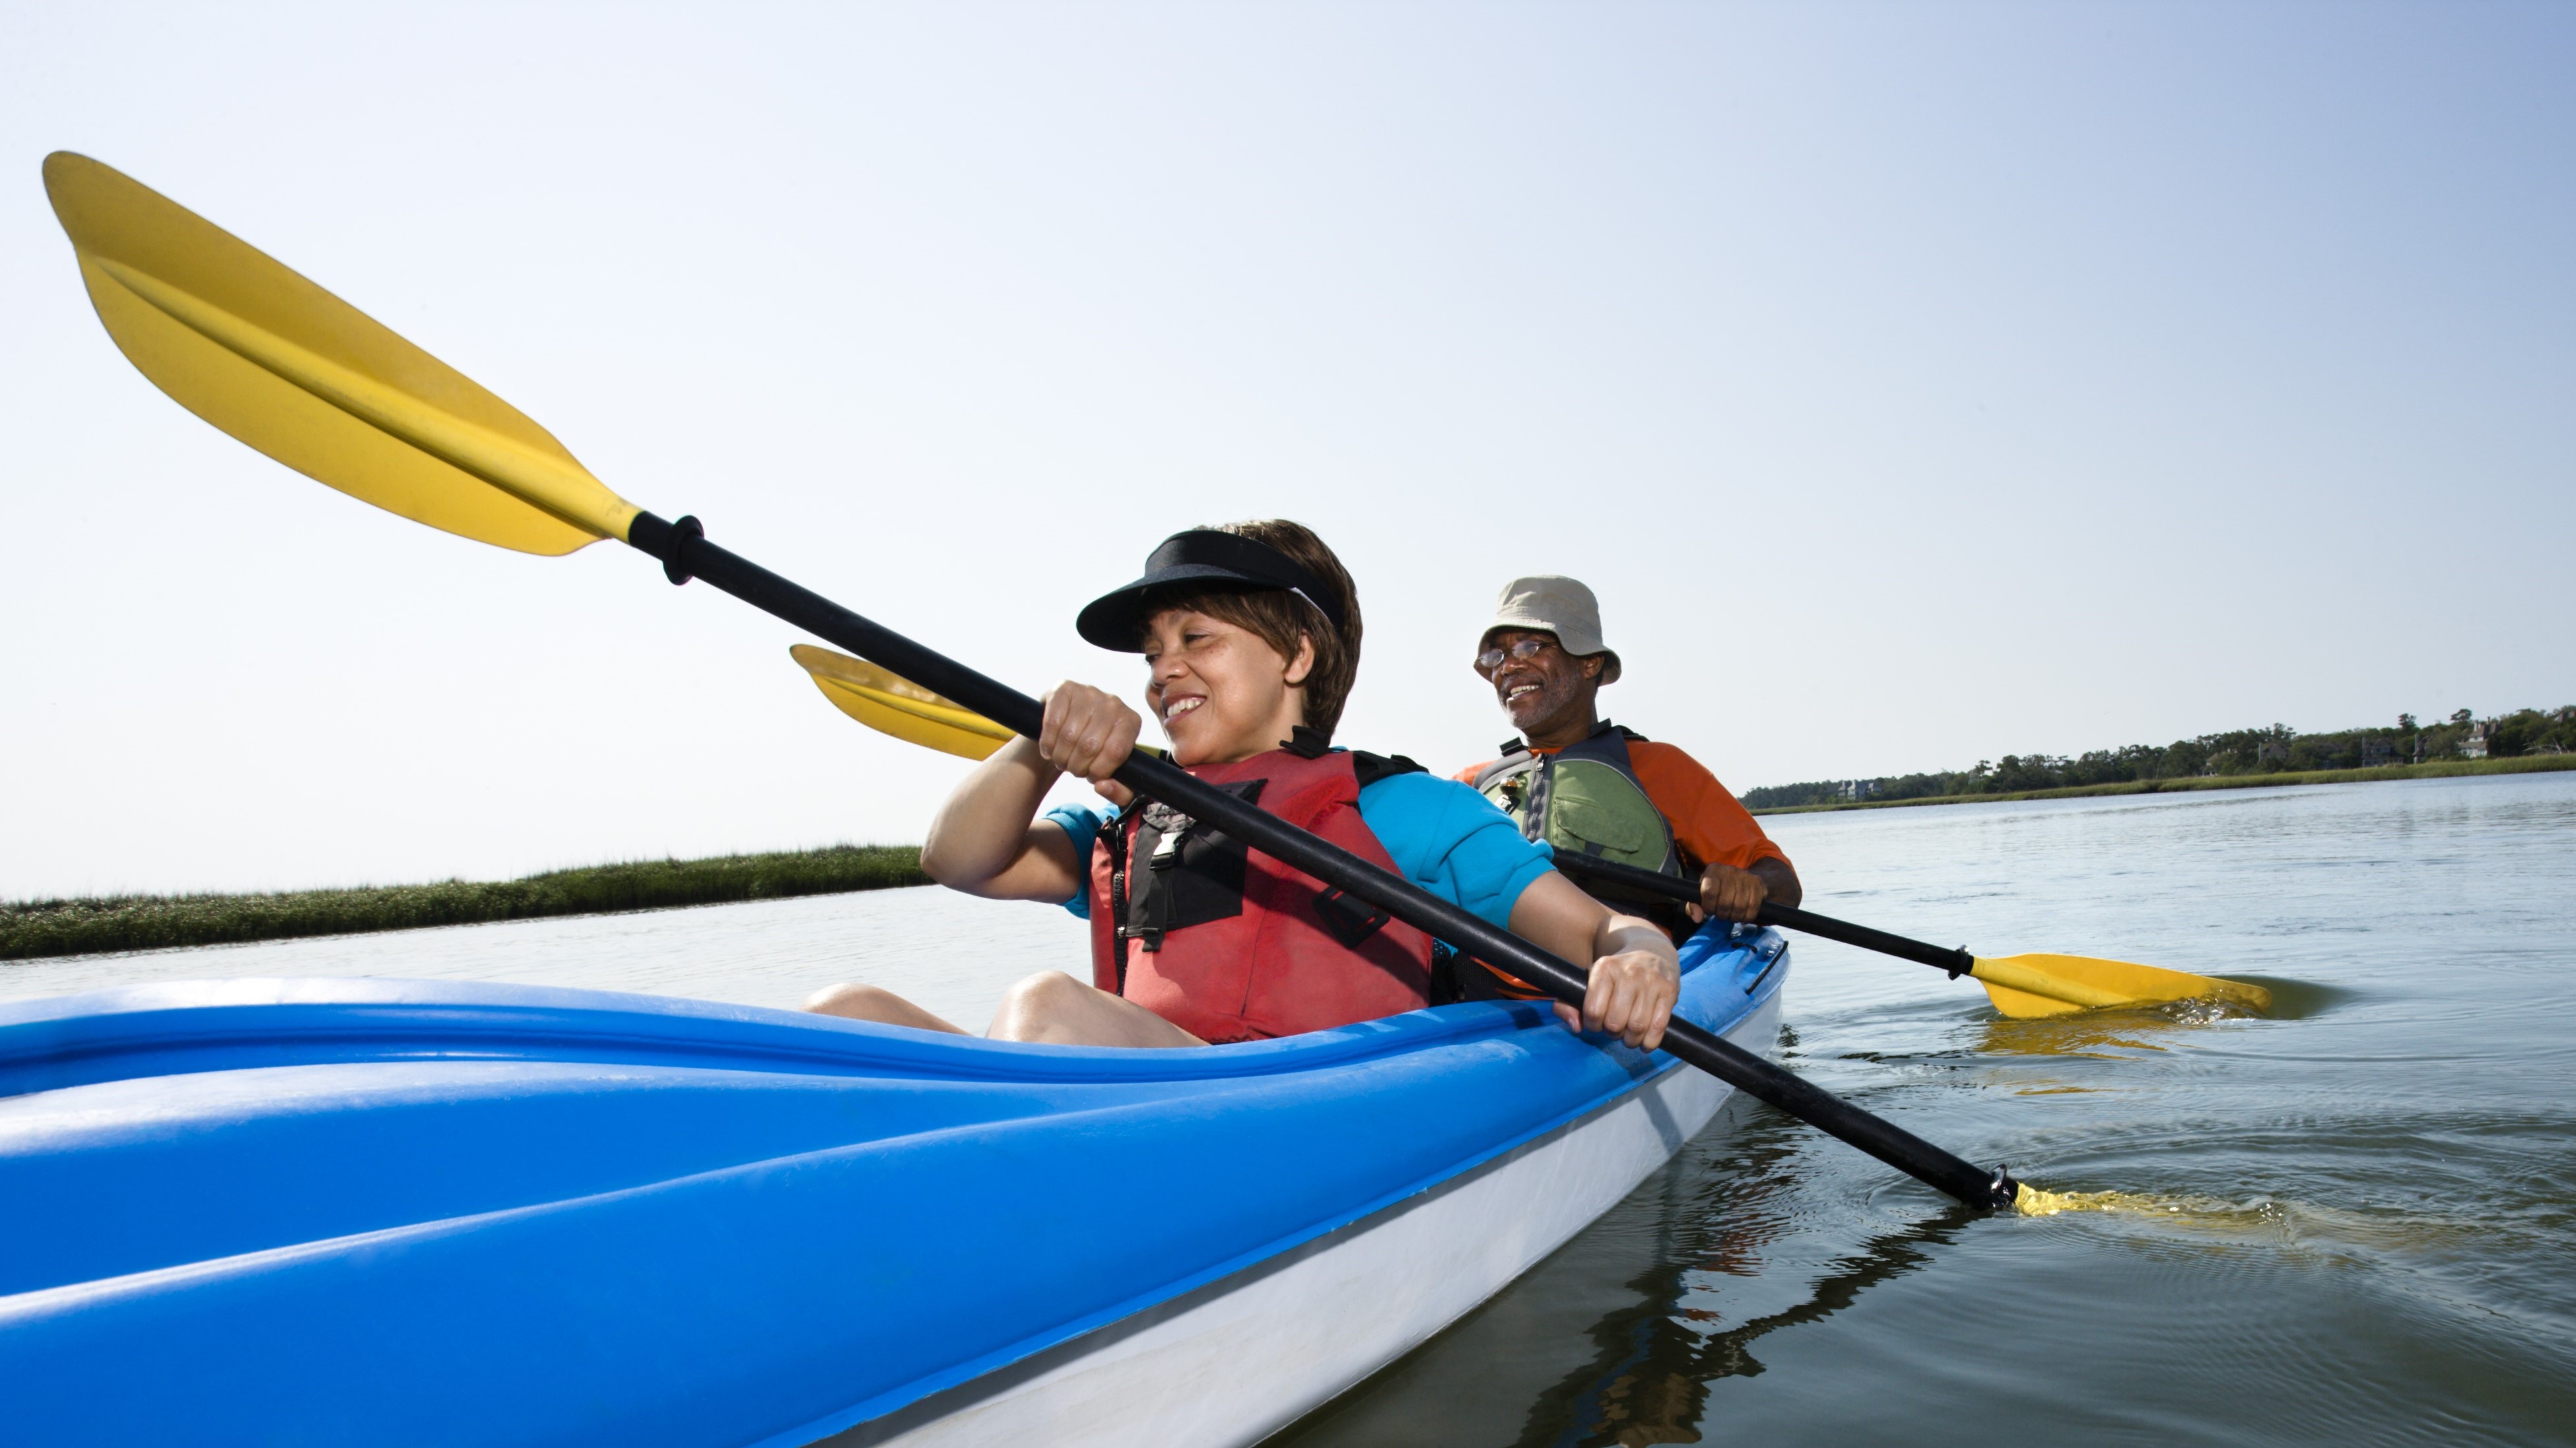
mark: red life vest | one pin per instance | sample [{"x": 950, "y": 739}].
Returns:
[{"x": 1230, "y": 945}]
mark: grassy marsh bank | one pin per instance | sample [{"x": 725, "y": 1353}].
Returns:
[
  {"x": 2444, "y": 769},
  {"x": 154, "y": 922}
]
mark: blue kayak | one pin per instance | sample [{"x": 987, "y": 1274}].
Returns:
[{"x": 399, "y": 1212}]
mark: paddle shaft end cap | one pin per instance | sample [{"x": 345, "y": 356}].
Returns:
[{"x": 2004, "y": 1194}]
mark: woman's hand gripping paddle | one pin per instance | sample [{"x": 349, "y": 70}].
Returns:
[
  {"x": 274, "y": 360},
  {"x": 2020, "y": 985}
]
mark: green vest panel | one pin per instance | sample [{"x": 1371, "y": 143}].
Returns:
[{"x": 1584, "y": 799}]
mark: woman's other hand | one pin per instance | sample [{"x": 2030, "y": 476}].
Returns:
[
  {"x": 1631, "y": 997},
  {"x": 1635, "y": 977}
]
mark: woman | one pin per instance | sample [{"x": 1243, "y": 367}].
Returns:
[{"x": 1251, "y": 638}]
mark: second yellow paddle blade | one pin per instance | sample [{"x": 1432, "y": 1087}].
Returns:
[
  {"x": 2028, "y": 986},
  {"x": 891, "y": 704},
  {"x": 264, "y": 354}
]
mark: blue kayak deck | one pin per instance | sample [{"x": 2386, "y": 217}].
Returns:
[{"x": 439, "y": 1211}]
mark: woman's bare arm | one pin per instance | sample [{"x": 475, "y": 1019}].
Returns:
[
  {"x": 1635, "y": 975},
  {"x": 987, "y": 839}
]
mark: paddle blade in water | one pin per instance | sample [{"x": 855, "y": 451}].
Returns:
[
  {"x": 2030, "y": 1201},
  {"x": 290, "y": 369},
  {"x": 894, "y": 705},
  {"x": 2027, "y": 986}
]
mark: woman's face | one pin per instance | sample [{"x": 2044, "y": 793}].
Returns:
[{"x": 1220, "y": 691}]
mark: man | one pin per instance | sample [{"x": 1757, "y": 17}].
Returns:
[{"x": 1588, "y": 786}]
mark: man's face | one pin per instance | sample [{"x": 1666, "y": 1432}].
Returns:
[{"x": 1539, "y": 683}]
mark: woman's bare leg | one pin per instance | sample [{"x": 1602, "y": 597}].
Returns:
[
  {"x": 873, "y": 1003},
  {"x": 1055, "y": 1008}
]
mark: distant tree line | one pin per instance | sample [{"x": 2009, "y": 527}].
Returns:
[
  {"x": 158, "y": 922},
  {"x": 2279, "y": 749}
]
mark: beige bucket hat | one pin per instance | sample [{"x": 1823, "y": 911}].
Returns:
[{"x": 1553, "y": 603}]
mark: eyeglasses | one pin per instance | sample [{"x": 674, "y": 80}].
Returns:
[{"x": 1521, "y": 651}]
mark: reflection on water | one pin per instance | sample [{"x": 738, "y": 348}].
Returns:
[
  {"x": 2352, "y": 1222},
  {"x": 1659, "y": 1358},
  {"x": 2296, "y": 1000},
  {"x": 2095, "y": 1032},
  {"x": 1653, "y": 1379}
]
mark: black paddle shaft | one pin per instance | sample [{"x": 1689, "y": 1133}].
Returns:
[
  {"x": 1647, "y": 882},
  {"x": 685, "y": 553}
]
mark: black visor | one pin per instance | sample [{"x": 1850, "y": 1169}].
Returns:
[{"x": 1201, "y": 558}]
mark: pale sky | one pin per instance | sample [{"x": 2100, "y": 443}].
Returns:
[{"x": 1914, "y": 383}]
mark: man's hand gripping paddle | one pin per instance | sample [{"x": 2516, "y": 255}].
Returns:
[{"x": 302, "y": 376}]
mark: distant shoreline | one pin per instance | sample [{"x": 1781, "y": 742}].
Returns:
[
  {"x": 2527, "y": 764},
  {"x": 51, "y": 928},
  {"x": 45, "y": 928}
]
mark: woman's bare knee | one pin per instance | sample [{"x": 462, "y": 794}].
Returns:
[
  {"x": 857, "y": 1002},
  {"x": 1035, "y": 1004},
  {"x": 1056, "y": 1009}
]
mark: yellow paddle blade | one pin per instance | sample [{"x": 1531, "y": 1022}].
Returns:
[
  {"x": 304, "y": 377},
  {"x": 894, "y": 705},
  {"x": 2026, "y": 986}
]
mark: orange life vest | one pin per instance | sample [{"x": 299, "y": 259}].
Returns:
[{"x": 1230, "y": 945}]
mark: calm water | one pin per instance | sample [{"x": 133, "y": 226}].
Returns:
[
  {"x": 2373, "y": 1226},
  {"x": 2377, "y": 1234}
]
